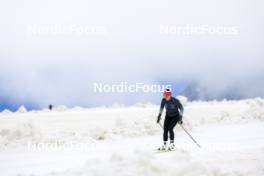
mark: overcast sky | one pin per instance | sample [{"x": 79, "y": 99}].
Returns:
[{"x": 61, "y": 68}]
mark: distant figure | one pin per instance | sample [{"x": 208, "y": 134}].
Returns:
[{"x": 50, "y": 107}]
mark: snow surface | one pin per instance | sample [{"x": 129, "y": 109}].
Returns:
[{"x": 122, "y": 141}]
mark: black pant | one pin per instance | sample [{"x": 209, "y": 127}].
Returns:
[{"x": 169, "y": 124}]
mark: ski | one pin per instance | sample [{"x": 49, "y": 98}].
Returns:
[{"x": 165, "y": 151}]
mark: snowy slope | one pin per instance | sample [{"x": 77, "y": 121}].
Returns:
[{"x": 122, "y": 141}]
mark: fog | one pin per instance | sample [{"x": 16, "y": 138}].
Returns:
[{"x": 60, "y": 68}]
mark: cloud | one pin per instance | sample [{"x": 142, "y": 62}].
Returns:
[{"x": 61, "y": 68}]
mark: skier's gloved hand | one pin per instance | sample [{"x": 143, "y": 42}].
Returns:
[
  {"x": 180, "y": 119},
  {"x": 158, "y": 118},
  {"x": 180, "y": 122}
]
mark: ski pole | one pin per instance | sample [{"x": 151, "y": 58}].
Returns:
[{"x": 190, "y": 136}]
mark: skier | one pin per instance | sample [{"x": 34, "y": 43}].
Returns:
[
  {"x": 50, "y": 107},
  {"x": 174, "y": 112}
]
